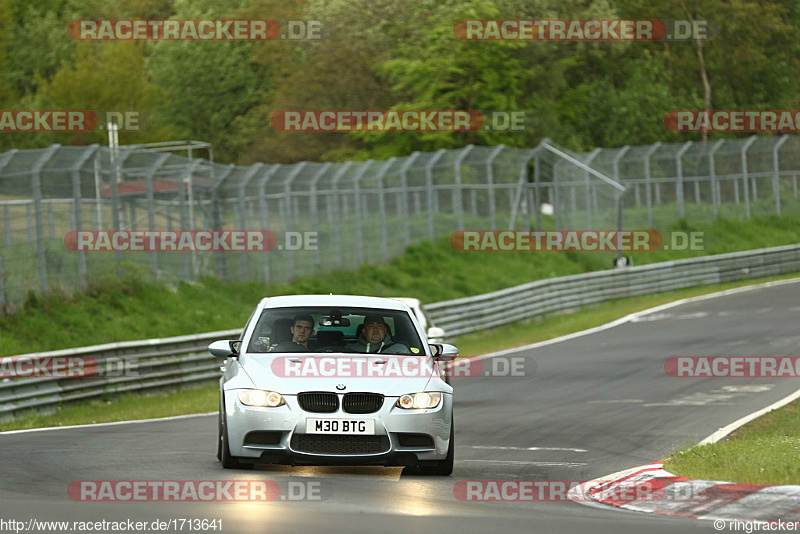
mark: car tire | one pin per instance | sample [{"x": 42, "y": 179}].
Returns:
[
  {"x": 228, "y": 461},
  {"x": 219, "y": 436},
  {"x": 219, "y": 428},
  {"x": 442, "y": 468}
]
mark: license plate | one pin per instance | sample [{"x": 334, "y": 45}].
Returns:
[{"x": 340, "y": 426}]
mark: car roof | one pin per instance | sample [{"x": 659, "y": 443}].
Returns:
[
  {"x": 412, "y": 302},
  {"x": 356, "y": 301}
]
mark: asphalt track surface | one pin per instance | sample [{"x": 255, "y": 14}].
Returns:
[{"x": 595, "y": 404}]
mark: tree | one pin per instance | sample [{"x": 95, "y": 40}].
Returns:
[
  {"x": 210, "y": 85},
  {"x": 108, "y": 76}
]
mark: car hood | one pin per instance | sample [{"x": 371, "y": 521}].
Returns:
[{"x": 290, "y": 374}]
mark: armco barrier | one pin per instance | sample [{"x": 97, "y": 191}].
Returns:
[
  {"x": 156, "y": 363},
  {"x": 169, "y": 362},
  {"x": 464, "y": 315}
]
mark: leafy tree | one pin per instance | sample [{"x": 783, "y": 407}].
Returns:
[
  {"x": 108, "y": 76},
  {"x": 210, "y": 85},
  {"x": 6, "y": 26},
  {"x": 38, "y": 44},
  {"x": 335, "y": 73}
]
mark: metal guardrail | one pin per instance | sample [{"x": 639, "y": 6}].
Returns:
[
  {"x": 121, "y": 367},
  {"x": 168, "y": 362},
  {"x": 567, "y": 293}
]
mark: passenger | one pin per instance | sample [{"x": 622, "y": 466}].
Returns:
[
  {"x": 302, "y": 329},
  {"x": 375, "y": 338}
]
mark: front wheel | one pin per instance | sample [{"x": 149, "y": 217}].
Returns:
[{"x": 224, "y": 451}]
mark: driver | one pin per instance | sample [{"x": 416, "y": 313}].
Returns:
[
  {"x": 302, "y": 329},
  {"x": 375, "y": 338}
]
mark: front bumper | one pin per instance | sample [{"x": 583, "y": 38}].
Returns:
[{"x": 278, "y": 435}]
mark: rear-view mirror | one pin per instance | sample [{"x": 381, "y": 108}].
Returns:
[{"x": 334, "y": 321}]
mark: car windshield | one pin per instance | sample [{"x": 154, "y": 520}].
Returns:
[{"x": 350, "y": 330}]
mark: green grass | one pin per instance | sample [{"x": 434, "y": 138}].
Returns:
[
  {"x": 203, "y": 399},
  {"x": 765, "y": 451}
]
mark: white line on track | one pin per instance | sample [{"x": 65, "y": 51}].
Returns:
[
  {"x": 527, "y": 448},
  {"x": 617, "y": 401},
  {"x": 724, "y": 431},
  {"x": 537, "y": 464}
]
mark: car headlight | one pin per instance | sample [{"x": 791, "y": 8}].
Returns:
[
  {"x": 259, "y": 397},
  {"x": 419, "y": 401}
]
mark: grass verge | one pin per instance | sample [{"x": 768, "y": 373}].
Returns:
[
  {"x": 764, "y": 451},
  {"x": 204, "y": 399}
]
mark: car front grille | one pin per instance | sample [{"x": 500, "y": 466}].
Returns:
[
  {"x": 362, "y": 402},
  {"x": 339, "y": 444},
  {"x": 321, "y": 402}
]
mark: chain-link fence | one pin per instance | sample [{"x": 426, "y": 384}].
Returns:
[{"x": 359, "y": 212}]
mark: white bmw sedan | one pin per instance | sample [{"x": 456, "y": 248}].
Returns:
[{"x": 335, "y": 379}]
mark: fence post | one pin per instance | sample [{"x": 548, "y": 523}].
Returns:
[
  {"x": 242, "y": 209},
  {"x": 679, "y": 184},
  {"x": 382, "y": 208},
  {"x": 357, "y": 199},
  {"x": 77, "y": 220},
  {"x": 2, "y": 288},
  {"x": 314, "y": 212},
  {"x": 745, "y": 176},
  {"x": 98, "y": 205},
  {"x": 537, "y": 185},
  {"x": 776, "y": 189},
  {"x": 216, "y": 216},
  {"x": 458, "y": 203},
  {"x": 404, "y": 196},
  {"x": 36, "y": 186},
  {"x": 115, "y": 178},
  {"x": 648, "y": 182},
  {"x": 29, "y": 224},
  {"x": 51, "y": 221},
  {"x": 151, "y": 214},
  {"x": 620, "y": 207},
  {"x": 555, "y": 197},
  {"x": 7, "y": 157},
  {"x": 712, "y": 168},
  {"x": 589, "y": 187},
  {"x": 337, "y": 221},
  {"x": 264, "y": 216},
  {"x": 287, "y": 212},
  {"x": 429, "y": 185},
  {"x": 490, "y": 184},
  {"x": 186, "y": 211},
  {"x": 524, "y": 193},
  {"x": 7, "y": 224}
]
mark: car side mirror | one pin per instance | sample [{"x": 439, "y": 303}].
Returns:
[
  {"x": 435, "y": 333},
  {"x": 443, "y": 352},
  {"x": 226, "y": 348}
]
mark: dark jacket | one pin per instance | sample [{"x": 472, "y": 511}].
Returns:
[{"x": 387, "y": 346}]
